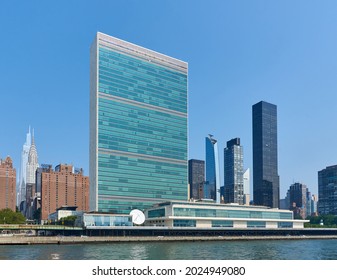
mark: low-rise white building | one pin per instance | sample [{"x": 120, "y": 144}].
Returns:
[
  {"x": 212, "y": 215},
  {"x": 63, "y": 212},
  {"x": 91, "y": 220}
]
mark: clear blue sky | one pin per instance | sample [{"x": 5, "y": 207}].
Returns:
[{"x": 239, "y": 52}]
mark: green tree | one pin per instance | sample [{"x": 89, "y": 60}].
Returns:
[
  {"x": 68, "y": 221},
  {"x": 328, "y": 221},
  {"x": 37, "y": 214},
  {"x": 8, "y": 216},
  {"x": 314, "y": 220}
]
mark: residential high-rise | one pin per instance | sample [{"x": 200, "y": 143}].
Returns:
[
  {"x": 233, "y": 172},
  {"x": 212, "y": 184},
  {"x": 21, "y": 189},
  {"x": 63, "y": 187},
  {"x": 7, "y": 184},
  {"x": 327, "y": 190},
  {"x": 196, "y": 178},
  {"x": 138, "y": 127},
  {"x": 266, "y": 190}
]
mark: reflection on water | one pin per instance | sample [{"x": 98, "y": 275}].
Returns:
[
  {"x": 138, "y": 252},
  {"x": 55, "y": 256},
  {"x": 207, "y": 250}
]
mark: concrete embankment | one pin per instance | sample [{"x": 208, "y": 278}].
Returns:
[{"x": 31, "y": 240}]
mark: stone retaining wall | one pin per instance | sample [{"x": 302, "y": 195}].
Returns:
[{"x": 30, "y": 240}]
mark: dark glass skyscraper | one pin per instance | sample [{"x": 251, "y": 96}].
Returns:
[
  {"x": 212, "y": 185},
  {"x": 196, "y": 178},
  {"x": 327, "y": 191},
  {"x": 266, "y": 188}
]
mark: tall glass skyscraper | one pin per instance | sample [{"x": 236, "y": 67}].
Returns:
[
  {"x": 327, "y": 190},
  {"x": 21, "y": 188},
  {"x": 266, "y": 189},
  {"x": 233, "y": 172},
  {"x": 138, "y": 126},
  {"x": 212, "y": 184}
]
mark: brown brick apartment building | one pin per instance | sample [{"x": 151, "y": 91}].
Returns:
[
  {"x": 7, "y": 184},
  {"x": 61, "y": 187}
]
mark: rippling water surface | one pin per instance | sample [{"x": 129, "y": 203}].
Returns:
[{"x": 207, "y": 250}]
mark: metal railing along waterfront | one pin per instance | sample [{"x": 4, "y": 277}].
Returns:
[
  {"x": 34, "y": 227},
  {"x": 160, "y": 231}
]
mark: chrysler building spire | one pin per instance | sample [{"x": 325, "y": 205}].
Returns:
[{"x": 32, "y": 163}]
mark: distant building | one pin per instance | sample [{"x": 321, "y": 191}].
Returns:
[
  {"x": 30, "y": 199},
  {"x": 327, "y": 190},
  {"x": 246, "y": 187},
  {"x": 314, "y": 202},
  {"x": 7, "y": 185},
  {"x": 222, "y": 194},
  {"x": 233, "y": 172},
  {"x": 138, "y": 127},
  {"x": 38, "y": 184},
  {"x": 21, "y": 188},
  {"x": 196, "y": 178},
  {"x": 38, "y": 179},
  {"x": 308, "y": 204},
  {"x": 284, "y": 204},
  {"x": 31, "y": 193},
  {"x": 63, "y": 187},
  {"x": 212, "y": 184},
  {"x": 266, "y": 188},
  {"x": 298, "y": 199},
  {"x": 32, "y": 163}
]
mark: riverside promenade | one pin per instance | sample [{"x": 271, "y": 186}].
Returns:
[{"x": 31, "y": 240}]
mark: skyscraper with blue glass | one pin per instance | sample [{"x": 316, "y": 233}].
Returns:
[
  {"x": 138, "y": 127},
  {"x": 212, "y": 184}
]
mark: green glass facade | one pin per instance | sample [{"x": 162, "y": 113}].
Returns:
[
  {"x": 98, "y": 220},
  {"x": 156, "y": 213},
  {"x": 184, "y": 223},
  {"x": 138, "y": 116},
  {"x": 220, "y": 213}
]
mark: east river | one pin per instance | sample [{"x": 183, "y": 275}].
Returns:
[{"x": 202, "y": 250}]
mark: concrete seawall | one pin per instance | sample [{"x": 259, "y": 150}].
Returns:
[{"x": 31, "y": 240}]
